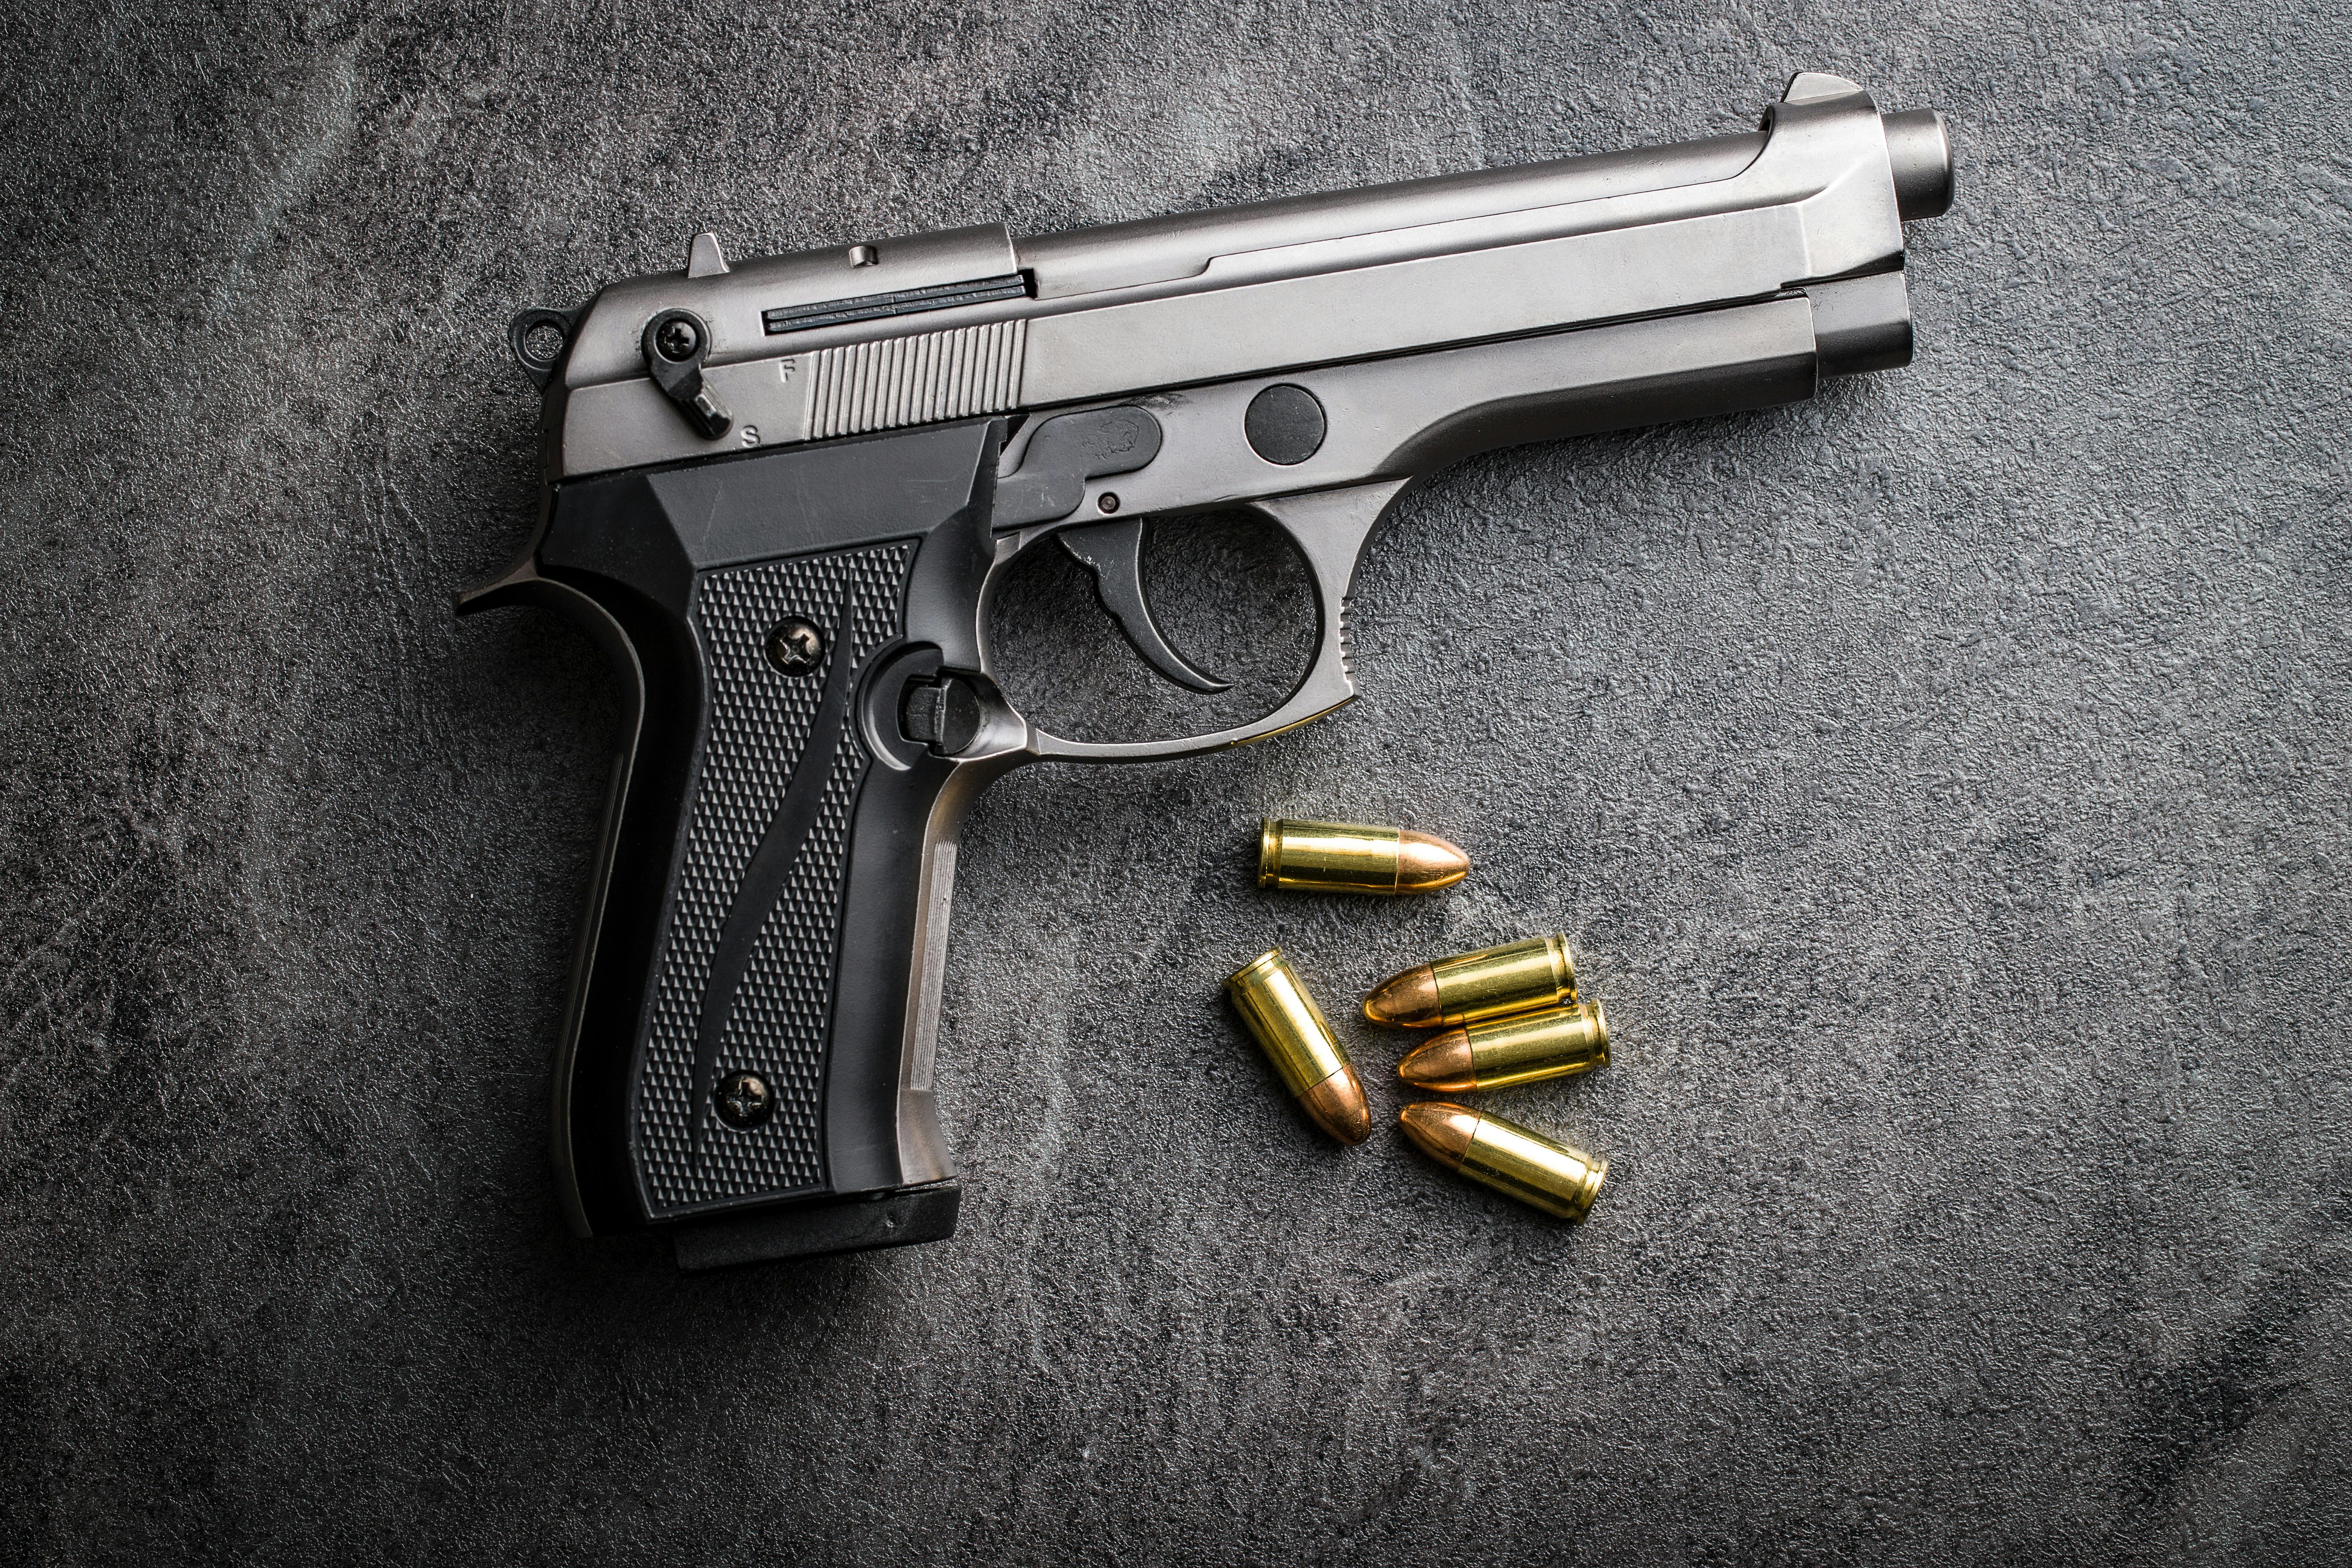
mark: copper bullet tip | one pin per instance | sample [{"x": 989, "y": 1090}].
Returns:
[
  {"x": 1407, "y": 1001},
  {"x": 1444, "y": 1063},
  {"x": 1336, "y": 1104},
  {"x": 1426, "y": 862},
  {"x": 1440, "y": 1130}
]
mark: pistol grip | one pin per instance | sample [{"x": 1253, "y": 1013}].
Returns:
[{"x": 746, "y": 1061}]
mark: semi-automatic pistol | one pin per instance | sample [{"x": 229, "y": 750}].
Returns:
[{"x": 780, "y": 493}]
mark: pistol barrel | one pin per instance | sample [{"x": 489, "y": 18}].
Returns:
[{"x": 1920, "y": 149}]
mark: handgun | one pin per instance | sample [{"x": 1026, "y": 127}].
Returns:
[{"x": 780, "y": 494}]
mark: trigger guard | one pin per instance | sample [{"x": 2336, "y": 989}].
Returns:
[{"x": 1328, "y": 528}]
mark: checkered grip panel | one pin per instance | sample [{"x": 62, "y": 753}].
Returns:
[{"x": 757, "y": 728}]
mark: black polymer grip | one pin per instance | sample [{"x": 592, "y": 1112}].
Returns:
[
  {"x": 759, "y": 905},
  {"x": 745, "y": 971}
]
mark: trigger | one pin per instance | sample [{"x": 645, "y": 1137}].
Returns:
[{"x": 1113, "y": 552}]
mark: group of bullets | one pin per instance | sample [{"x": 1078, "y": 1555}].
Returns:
[{"x": 1511, "y": 1015}]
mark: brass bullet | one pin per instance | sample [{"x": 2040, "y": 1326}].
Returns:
[
  {"x": 1553, "y": 1177},
  {"x": 1271, "y": 1000},
  {"x": 1521, "y": 1049},
  {"x": 1514, "y": 978},
  {"x": 1354, "y": 857}
]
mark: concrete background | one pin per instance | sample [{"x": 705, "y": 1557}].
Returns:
[{"x": 1944, "y": 783}]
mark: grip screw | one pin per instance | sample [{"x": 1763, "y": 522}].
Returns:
[
  {"x": 745, "y": 1100},
  {"x": 795, "y": 646}
]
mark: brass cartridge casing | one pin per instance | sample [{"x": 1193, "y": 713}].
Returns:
[
  {"x": 1268, "y": 994},
  {"x": 1354, "y": 857},
  {"x": 1520, "y": 1049},
  {"x": 1488, "y": 983},
  {"x": 1553, "y": 1177}
]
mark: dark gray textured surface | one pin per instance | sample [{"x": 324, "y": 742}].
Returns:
[{"x": 1945, "y": 784}]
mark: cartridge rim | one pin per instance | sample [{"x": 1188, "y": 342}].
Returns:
[
  {"x": 1265, "y": 962},
  {"x": 1590, "y": 1192}
]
